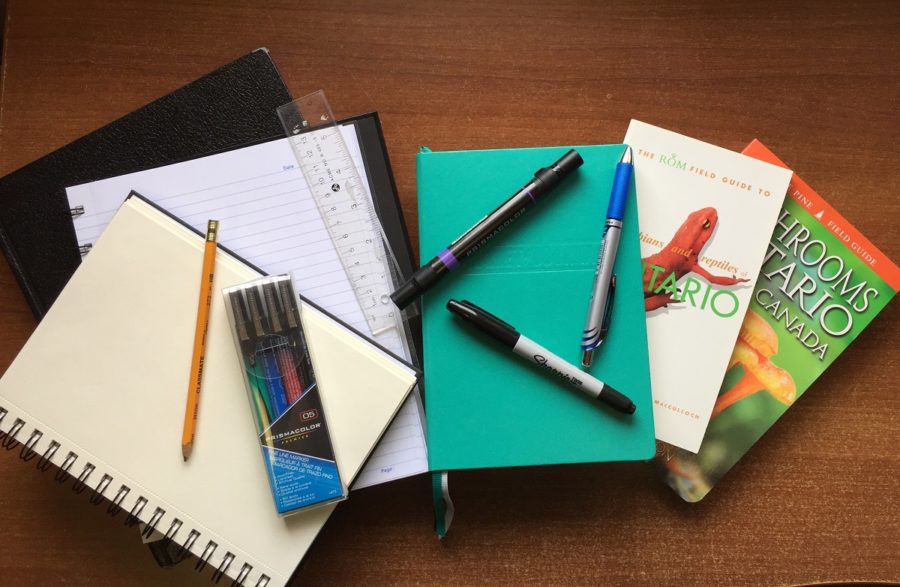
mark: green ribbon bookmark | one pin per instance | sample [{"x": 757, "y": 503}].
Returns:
[{"x": 443, "y": 505}]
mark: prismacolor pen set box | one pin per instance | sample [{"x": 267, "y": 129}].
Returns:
[{"x": 284, "y": 398}]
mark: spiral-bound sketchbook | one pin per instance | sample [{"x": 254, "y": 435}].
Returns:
[{"x": 101, "y": 384}]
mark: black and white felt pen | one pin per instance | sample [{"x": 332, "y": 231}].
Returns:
[{"x": 539, "y": 356}]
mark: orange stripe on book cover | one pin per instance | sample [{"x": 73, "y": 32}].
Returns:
[{"x": 831, "y": 219}]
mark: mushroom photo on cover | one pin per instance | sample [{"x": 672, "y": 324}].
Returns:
[{"x": 756, "y": 343}]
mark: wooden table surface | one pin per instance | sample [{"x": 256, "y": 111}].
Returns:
[{"x": 816, "y": 500}]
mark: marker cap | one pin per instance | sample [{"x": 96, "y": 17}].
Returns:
[
  {"x": 406, "y": 293},
  {"x": 616, "y": 400},
  {"x": 550, "y": 176}
]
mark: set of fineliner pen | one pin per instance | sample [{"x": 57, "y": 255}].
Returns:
[{"x": 284, "y": 398}]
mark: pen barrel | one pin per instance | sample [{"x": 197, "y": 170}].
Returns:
[
  {"x": 557, "y": 366},
  {"x": 602, "y": 278},
  {"x": 493, "y": 223},
  {"x": 544, "y": 180},
  {"x": 619, "y": 194},
  {"x": 562, "y": 369},
  {"x": 468, "y": 243}
]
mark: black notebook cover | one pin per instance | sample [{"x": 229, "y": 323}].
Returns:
[{"x": 234, "y": 105}]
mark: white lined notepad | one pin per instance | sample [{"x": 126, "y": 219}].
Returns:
[{"x": 269, "y": 218}]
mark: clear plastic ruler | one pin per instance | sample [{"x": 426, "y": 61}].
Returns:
[{"x": 348, "y": 213}]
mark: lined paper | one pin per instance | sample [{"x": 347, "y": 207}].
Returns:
[{"x": 269, "y": 217}]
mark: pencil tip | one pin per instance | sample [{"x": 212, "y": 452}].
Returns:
[{"x": 186, "y": 450}]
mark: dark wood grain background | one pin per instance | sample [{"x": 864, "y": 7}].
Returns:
[{"x": 817, "y": 499}]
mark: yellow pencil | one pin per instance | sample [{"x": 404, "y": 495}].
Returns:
[{"x": 193, "y": 396}]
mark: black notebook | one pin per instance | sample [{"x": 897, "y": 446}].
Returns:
[{"x": 232, "y": 106}]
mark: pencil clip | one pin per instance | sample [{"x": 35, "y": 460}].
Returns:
[
  {"x": 607, "y": 311},
  {"x": 28, "y": 449}
]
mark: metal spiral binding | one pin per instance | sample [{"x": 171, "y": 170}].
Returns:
[
  {"x": 207, "y": 553},
  {"x": 46, "y": 459},
  {"x": 173, "y": 529},
  {"x": 223, "y": 567},
  {"x": 242, "y": 576},
  {"x": 8, "y": 439},
  {"x": 136, "y": 510},
  {"x": 115, "y": 505},
  {"x": 28, "y": 449},
  {"x": 76, "y": 211},
  {"x": 158, "y": 513},
  {"x": 81, "y": 482},
  {"x": 63, "y": 474},
  {"x": 85, "y": 249},
  {"x": 189, "y": 543},
  {"x": 97, "y": 494}
]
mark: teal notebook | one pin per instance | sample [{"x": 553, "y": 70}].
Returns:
[{"x": 484, "y": 406}]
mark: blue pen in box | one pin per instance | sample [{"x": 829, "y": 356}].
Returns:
[{"x": 284, "y": 398}]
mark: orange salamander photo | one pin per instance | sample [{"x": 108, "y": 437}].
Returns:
[{"x": 680, "y": 257}]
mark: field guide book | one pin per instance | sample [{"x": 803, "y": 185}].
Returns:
[
  {"x": 705, "y": 216},
  {"x": 822, "y": 283}
]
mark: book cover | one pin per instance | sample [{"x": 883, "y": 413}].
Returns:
[
  {"x": 233, "y": 105},
  {"x": 486, "y": 407},
  {"x": 705, "y": 216},
  {"x": 821, "y": 284}
]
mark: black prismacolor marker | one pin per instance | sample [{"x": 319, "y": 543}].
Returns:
[
  {"x": 545, "y": 179},
  {"x": 538, "y": 355}
]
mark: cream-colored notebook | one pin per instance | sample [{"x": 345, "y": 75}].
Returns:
[{"x": 99, "y": 389}]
